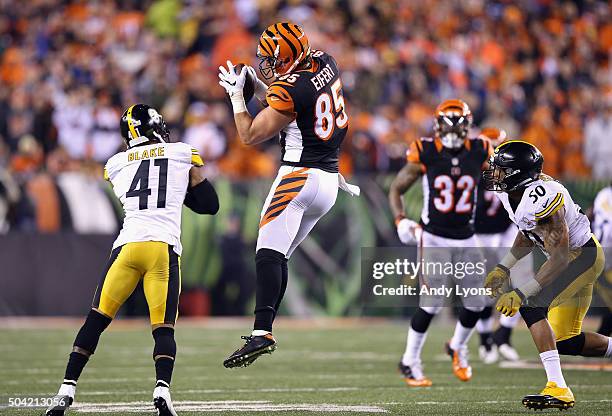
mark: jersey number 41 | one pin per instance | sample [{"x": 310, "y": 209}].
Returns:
[{"x": 139, "y": 187}]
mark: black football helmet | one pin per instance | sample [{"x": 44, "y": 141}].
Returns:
[
  {"x": 513, "y": 165},
  {"x": 142, "y": 124}
]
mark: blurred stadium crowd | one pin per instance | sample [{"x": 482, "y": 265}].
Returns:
[{"x": 538, "y": 68}]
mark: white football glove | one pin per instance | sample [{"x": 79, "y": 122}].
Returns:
[
  {"x": 408, "y": 231},
  {"x": 233, "y": 84},
  {"x": 261, "y": 88}
]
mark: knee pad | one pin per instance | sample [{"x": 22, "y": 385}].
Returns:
[
  {"x": 266, "y": 255},
  {"x": 421, "y": 320},
  {"x": 89, "y": 334},
  {"x": 571, "y": 346},
  {"x": 165, "y": 345},
  {"x": 532, "y": 315}
]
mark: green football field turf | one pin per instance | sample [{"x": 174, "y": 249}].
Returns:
[{"x": 335, "y": 368}]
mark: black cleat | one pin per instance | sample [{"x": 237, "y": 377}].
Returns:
[
  {"x": 251, "y": 350},
  {"x": 60, "y": 405},
  {"x": 552, "y": 397}
]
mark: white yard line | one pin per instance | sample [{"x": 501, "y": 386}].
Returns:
[{"x": 225, "y": 406}]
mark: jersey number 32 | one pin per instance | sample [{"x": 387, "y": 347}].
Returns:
[
  {"x": 139, "y": 187},
  {"x": 445, "y": 201}
]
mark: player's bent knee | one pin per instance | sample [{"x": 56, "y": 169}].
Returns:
[
  {"x": 532, "y": 315},
  {"x": 572, "y": 346},
  {"x": 165, "y": 345},
  {"x": 432, "y": 310},
  {"x": 87, "y": 339}
]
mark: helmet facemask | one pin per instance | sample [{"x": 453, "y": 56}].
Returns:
[
  {"x": 452, "y": 129},
  {"x": 500, "y": 179}
]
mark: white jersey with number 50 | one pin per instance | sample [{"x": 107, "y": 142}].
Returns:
[
  {"x": 151, "y": 182},
  {"x": 541, "y": 199}
]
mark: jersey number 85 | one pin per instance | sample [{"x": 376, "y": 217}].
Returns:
[{"x": 330, "y": 112}]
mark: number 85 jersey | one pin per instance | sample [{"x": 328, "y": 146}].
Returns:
[
  {"x": 450, "y": 183},
  {"x": 315, "y": 97},
  {"x": 151, "y": 182}
]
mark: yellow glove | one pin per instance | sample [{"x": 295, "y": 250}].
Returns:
[
  {"x": 496, "y": 279},
  {"x": 509, "y": 303}
]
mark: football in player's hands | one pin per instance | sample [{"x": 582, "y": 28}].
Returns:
[{"x": 249, "y": 83}]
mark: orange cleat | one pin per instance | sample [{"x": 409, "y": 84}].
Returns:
[
  {"x": 413, "y": 375},
  {"x": 461, "y": 367}
]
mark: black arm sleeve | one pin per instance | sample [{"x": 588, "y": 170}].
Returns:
[{"x": 202, "y": 198}]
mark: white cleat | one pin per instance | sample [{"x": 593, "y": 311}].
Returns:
[
  {"x": 508, "y": 352},
  {"x": 63, "y": 399},
  {"x": 488, "y": 356},
  {"x": 163, "y": 402}
]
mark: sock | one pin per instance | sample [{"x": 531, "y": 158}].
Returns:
[
  {"x": 464, "y": 328},
  {"x": 163, "y": 371},
  {"x": 608, "y": 353},
  {"x": 86, "y": 342},
  {"x": 164, "y": 353},
  {"x": 269, "y": 284},
  {"x": 68, "y": 388},
  {"x": 259, "y": 333},
  {"x": 76, "y": 364},
  {"x": 552, "y": 366},
  {"x": 486, "y": 340},
  {"x": 461, "y": 336},
  {"x": 502, "y": 335},
  {"x": 283, "y": 288},
  {"x": 414, "y": 344}
]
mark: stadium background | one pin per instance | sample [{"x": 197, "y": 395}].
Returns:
[{"x": 539, "y": 69}]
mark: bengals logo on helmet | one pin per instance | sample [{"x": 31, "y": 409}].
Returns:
[{"x": 282, "y": 47}]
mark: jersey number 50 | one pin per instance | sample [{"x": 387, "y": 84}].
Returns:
[
  {"x": 328, "y": 116},
  {"x": 445, "y": 201},
  {"x": 142, "y": 178}
]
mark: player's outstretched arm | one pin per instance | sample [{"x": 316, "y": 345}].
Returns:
[
  {"x": 556, "y": 244},
  {"x": 405, "y": 178},
  {"x": 267, "y": 124},
  {"x": 201, "y": 196}
]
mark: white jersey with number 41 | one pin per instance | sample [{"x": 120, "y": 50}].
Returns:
[{"x": 151, "y": 182}]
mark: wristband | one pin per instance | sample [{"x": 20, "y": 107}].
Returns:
[
  {"x": 398, "y": 218},
  {"x": 520, "y": 295},
  {"x": 238, "y": 103},
  {"x": 531, "y": 288},
  {"x": 508, "y": 261}
]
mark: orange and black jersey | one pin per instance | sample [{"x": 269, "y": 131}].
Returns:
[
  {"x": 315, "y": 97},
  {"x": 450, "y": 182},
  {"x": 491, "y": 217}
]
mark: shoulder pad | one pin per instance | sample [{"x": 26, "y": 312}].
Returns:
[{"x": 279, "y": 96}]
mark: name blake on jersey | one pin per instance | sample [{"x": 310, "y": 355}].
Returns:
[
  {"x": 323, "y": 77},
  {"x": 146, "y": 154}
]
